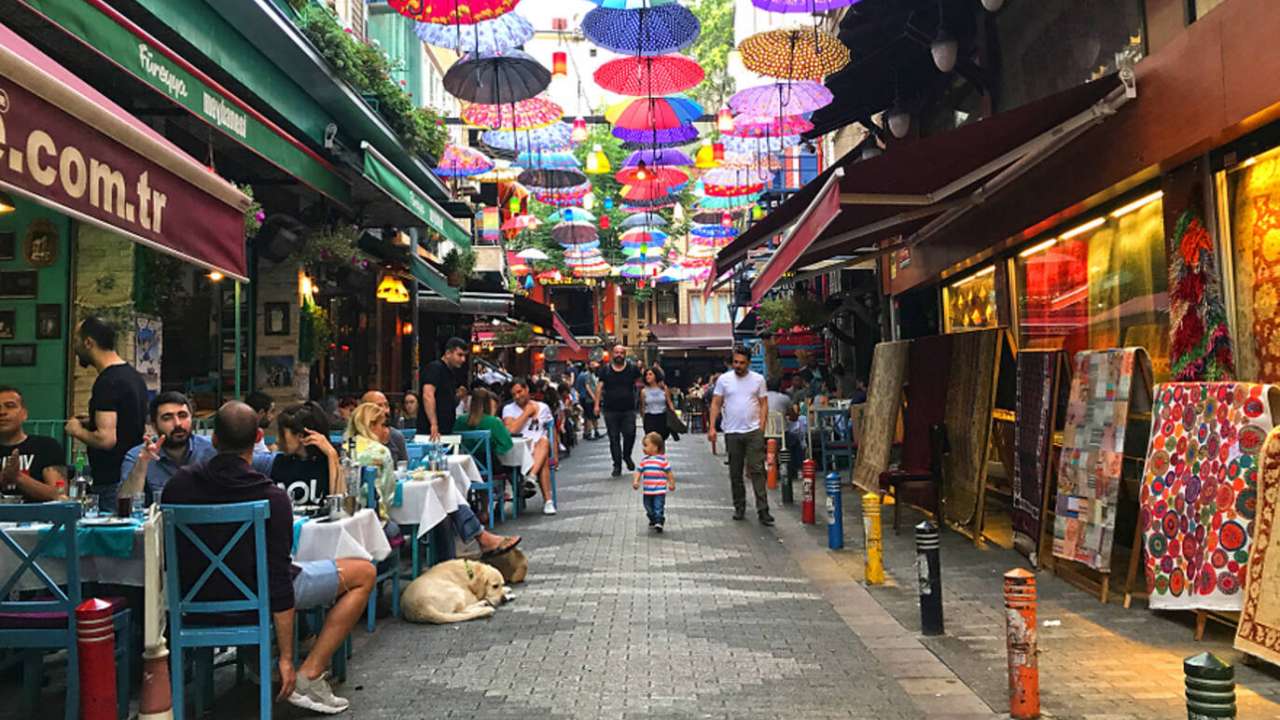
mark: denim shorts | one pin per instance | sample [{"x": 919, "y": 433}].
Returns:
[{"x": 316, "y": 584}]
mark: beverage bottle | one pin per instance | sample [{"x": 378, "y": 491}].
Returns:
[
  {"x": 82, "y": 481},
  {"x": 350, "y": 470}
]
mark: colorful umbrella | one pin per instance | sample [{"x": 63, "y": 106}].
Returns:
[
  {"x": 501, "y": 172},
  {"x": 452, "y": 12},
  {"x": 630, "y": 4},
  {"x": 644, "y": 220},
  {"x": 699, "y": 252},
  {"x": 753, "y": 126},
  {"x": 813, "y": 7},
  {"x": 641, "y": 236},
  {"x": 515, "y": 265},
  {"x": 552, "y": 137},
  {"x": 651, "y": 145},
  {"x": 496, "y": 78},
  {"x": 749, "y": 161},
  {"x": 581, "y": 257},
  {"x": 460, "y": 161},
  {"x": 561, "y": 197},
  {"x": 646, "y": 31},
  {"x": 723, "y": 177},
  {"x": 549, "y": 276},
  {"x": 713, "y": 231},
  {"x": 760, "y": 145},
  {"x": 710, "y": 202},
  {"x": 569, "y": 233},
  {"x": 548, "y": 160},
  {"x": 581, "y": 246},
  {"x": 642, "y": 192},
  {"x": 680, "y": 134},
  {"x": 711, "y": 216},
  {"x": 487, "y": 36},
  {"x": 713, "y": 190},
  {"x": 536, "y": 112},
  {"x": 592, "y": 271},
  {"x": 641, "y": 269},
  {"x": 645, "y": 76},
  {"x": 780, "y": 99},
  {"x": 642, "y": 253},
  {"x": 552, "y": 178},
  {"x": 666, "y": 176},
  {"x": 648, "y": 113},
  {"x": 532, "y": 254},
  {"x": 571, "y": 214},
  {"x": 794, "y": 54},
  {"x": 520, "y": 223},
  {"x": 658, "y": 158}
]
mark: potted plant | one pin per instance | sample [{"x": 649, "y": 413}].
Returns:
[{"x": 458, "y": 265}]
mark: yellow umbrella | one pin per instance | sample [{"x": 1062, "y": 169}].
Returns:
[{"x": 796, "y": 54}]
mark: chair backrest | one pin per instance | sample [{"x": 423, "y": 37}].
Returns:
[
  {"x": 238, "y": 521},
  {"x": 63, "y": 517},
  {"x": 777, "y": 426},
  {"x": 417, "y": 453},
  {"x": 369, "y": 479},
  {"x": 479, "y": 445}
]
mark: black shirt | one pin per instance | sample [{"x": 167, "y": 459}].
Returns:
[
  {"x": 306, "y": 480},
  {"x": 618, "y": 387},
  {"x": 35, "y": 454},
  {"x": 119, "y": 389},
  {"x": 445, "y": 381}
]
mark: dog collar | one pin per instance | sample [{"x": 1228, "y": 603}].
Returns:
[{"x": 471, "y": 575}]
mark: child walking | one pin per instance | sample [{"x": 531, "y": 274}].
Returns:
[{"x": 654, "y": 474}]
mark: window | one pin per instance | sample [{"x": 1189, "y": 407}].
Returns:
[
  {"x": 1252, "y": 213},
  {"x": 1198, "y": 8},
  {"x": 970, "y": 303},
  {"x": 1102, "y": 283},
  {"x": 667, "y": 304}
]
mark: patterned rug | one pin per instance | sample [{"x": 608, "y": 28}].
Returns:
[
  {"x": 974, "y": 355},
  {"x": 928, "y": 372},
  {"x": 1038, "y": 393},
  {"x": 880, "y": 412},
  {"x": 1089, "y": 473},
  {"x": 1259, "y": 630},
  {"x": 1199, "y": 490}
]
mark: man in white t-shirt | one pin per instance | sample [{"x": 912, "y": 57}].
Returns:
[
  {"x": 530, "y": 419},
  {"x": 741, "y": 395}
]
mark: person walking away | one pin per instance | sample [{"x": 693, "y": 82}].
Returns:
[
  {"x": 655, "y": 477},
  {"x": 618, "y": 400},
  {"x": 588, "y": 386},
  {"x": 741, "y": 396},
  {"x": 117, "y": 416},
  {"x": 656, "y": 399},
  {"x": 440, "y": 390}
]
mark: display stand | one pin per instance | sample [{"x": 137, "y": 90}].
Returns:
[{"x": 1004, "y": 393}]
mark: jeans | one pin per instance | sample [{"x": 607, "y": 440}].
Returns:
[
  {"x": 621, "y": 426},
  {"x": 747, "y": 449},
  {"x": 466, "y": 523},
  {"x": 655, "y": 507}
]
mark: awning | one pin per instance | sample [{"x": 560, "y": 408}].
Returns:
[
  {"x": 469, "y": 303},
  {"x": 536, "y": 313},
  {"x": 424, "y": 273},
  {"x": 379, "y": 171},
  {"x": 693, "y": 336},
  {"x": 66, "y": 146},
  {"x": 815, "y": 218}
]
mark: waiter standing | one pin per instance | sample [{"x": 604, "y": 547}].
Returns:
[{"x": 438, "y": 409}]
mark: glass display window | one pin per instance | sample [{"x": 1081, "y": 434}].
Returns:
[
  {"x": 1100, "y": 284},
  {"x": 1250, "y": 197},
  {"x": 970, "y": 303}
]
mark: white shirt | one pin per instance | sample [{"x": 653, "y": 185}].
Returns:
[
  {"x": 535, "y": 427},
  {"x": 740, "y": 412},
  {"x": 779, "y": 402}
]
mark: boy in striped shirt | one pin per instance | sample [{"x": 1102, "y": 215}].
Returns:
[{"x": 655, "y": 476}]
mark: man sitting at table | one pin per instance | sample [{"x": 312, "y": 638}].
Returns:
[
  {"x": 530, "y": 418},
  {"x": 147, "y": 467},
  {"x": 395, "y": 439},
  {"x": 32, "y": 464},
  {"x": 307, "y": 466},
  {"x": 345, "y": 583}
]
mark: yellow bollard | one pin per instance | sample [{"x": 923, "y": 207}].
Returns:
[{"x": 871, "y": 531}]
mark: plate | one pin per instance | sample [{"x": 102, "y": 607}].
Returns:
[{"x": 108, "y": 521}]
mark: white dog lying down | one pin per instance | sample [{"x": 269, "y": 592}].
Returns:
[{"x": 454, "y": 591}]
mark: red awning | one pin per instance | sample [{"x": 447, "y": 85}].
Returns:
[
  {"x": 815, "y": 218},
  {"x": 532, "y": 311},
  {"x": 67, "y": 146}
]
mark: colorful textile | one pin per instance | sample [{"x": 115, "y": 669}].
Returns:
[
  {"x": 880, "y": 416},
  {"x": 653, "y": 471},
  {"x": 1201, "y": 341},
  {"x": 974, "y": 363},
  {"x": 928, "y": 375},
  {"x": 1199, "y": 489},
  {"x": 1039, "y": 386},
  {"x": 1102, "y": 382},
  {"x": 1259, "y": 631}
]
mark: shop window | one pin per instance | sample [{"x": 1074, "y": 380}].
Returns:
[
  {"x": 970, "y": 303},
  {"x": 1099, "y": 284},
  {"x": 1252, "y": 210}
]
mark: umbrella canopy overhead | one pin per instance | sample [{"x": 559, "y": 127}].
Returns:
[
  {"x": 666, "y": 176},
  {"x": 812, "y": 7},
  {"x": 644, "y": 76},
  {"x": 647, "y": 191},
  {"x": 659, "y": 112},
  {"x": 776, "y": 99},
  {"x": 641, "y": 236},
  {"x": 487, "y": 36},
  {"x": 650, "y": 144},
  {"x": 496, "y": 78},
  {"x": 552, "y": 179},
  {"x": 460, "y": 161},
  {"x": 520, "y": 223},
  {"x": 717, "y": 203},
  {"x": 571, "y": 214},
  {"x": 552, "y": 137},
  {"x": 794, "y": 54},
  {"x": 630, "y": 4},
  {"x": 501, "y": 172},
  {"x": 536, "y": 112},
  {"x": 749, "y": 161},
  {"x": 680, "y": 134},
  {"x": 713, "y": 231},
  {"x": 452, "y": 12},
  {"x": 661, "y": 157},
  {"x": 644, "y": 31},
  {"x": 731, "y": 177},
  {"x": 644, "y": 220},
  {"x": 752, "y": 126},
  {"x": 759, "y": 146},
  {"x": 548, "y": 160},
  {"x": 732, "y": 190},
  {"x": 561, "y": 197},
  {"x": 570, "y": 233},
  {"x": 532, "y": 254}
]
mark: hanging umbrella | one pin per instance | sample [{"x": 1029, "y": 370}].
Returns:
[
  {"x": 461, "y": 161},
  {"x": 582, "y": 246},
  {"x": 642, "y": 253},
  {"x": 663, "y": 157},
  {"x": 532, "y": 254},
  {"x": 648, "y": 113},
  {"x": 520, "y": 223},
  {"x": 699, "y": 252},
  {"x": 812, "y": 7},
  {"x": 644, "y": 220},
  {"x": 794, "y": 54},
  {"x": 754, "y": 126},
  {"x": 516, "y": 265},
  {"x": 645, "y": 31},
  {"x": 668, "y": 177},
  {"x": 722, "y": 177},
  {"x": 568, "y": 233},
  {"x": 630, "y": 4},
  {"x": 670, "y": 275},
  {"x": 549, "y": 276},
  {"x": 582, "y": 257},
  {"x": 552, "y": 137},
  {"x": 650, "y": 145},
  {"x": 639, "y": 236},
  {"x": 680, "y": 134},
  {"x": 501, "y": 172},
  {"x": 641, "y": 269},
  {"x": 561, "y": 197},
  {"x": 749, "y": 161},
  {"x": 713, "y": 190},
  {"x": 487, "y": 36},
  {"x": 643, "y": 207},
  {"x": 496, "y": 78},
  {"x": 548, "y": 160},
  {"x": 711, "y": 216},
  {"x": 777, "y": 99},
  {"x": 759, "y": 146},
  {"x": 647, "y": 191},
  {"x": 536, "y": 112},
  {"x": 644, "y": 76},
  {"x": 713, "y": 231},
  {"x": 598, "y": 270},
  {"x": 552, "y": 178},
  {"x": 726, "y": 203},
  {"x": 452, "y": 12},
  {"x": 572, "y": 214}
]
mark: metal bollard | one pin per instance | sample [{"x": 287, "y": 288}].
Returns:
[
  {"x": 809, "y": 471},
  {"x": 771, "y": 464},
  {"x": 929, "y": 571},
  {"x": 871, "y": 533},
  {"x": 788, "y": 490},
  {"x": 1020, "y": 636},
  {"x": 1211, "y": 687},
  {"x": 835, "y": 512},
  {"x": 96, "y": 644}
]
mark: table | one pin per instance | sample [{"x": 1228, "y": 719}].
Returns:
[
  {"x": 427, "y": 502},
  {"x": 520, "y": 455},
  {"x": 93, "y": 568},
  {"x": 359, "y": 536},
  {"x": 463, "y": 471}
]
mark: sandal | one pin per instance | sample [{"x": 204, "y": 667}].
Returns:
[{"x": 502, "y": 549}]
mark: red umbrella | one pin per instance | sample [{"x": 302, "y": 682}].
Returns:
[
  {"x": 753, "y": 126},
  {"x": 452, "y": 12},
  {"x": 663, "y": 175},
  {"x": 640, "y": 76},
  {"x": 644, "y": 191},
  {"x": 731, "y": 190}
]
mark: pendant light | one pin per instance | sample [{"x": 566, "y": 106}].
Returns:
[
  {"x": 604, "y": 221},
  {"x": 945, "y": 47},
  {"x": 588, "y": 200},
  {"x": 597, "y": 161},
  {"x": 717, "y": 152},
  {"x": 726, "y": 219},
  {"x": 899, "y": 120},
  {"x": 608, "y": 203},
  {"x": 640, "y": 172},
  {"x": 579, "y": 132},
  {"x": 559, "y": 64},
  {"x": 724, "y": 121},
  {"x": 992, "y": 5},
  {"x": 514, "y": 205},
  {"x": 871, "y": 150},
  {"x": 705, "y": 158}
]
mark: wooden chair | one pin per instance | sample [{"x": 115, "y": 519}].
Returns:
[
  {"x": 478, "y": 444},
  {"x": 388, "y": 569},
  {"x": 903, "y": 484}
]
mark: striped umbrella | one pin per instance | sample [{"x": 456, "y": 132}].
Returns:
[
  {"x": 536, "y": 112},
  {"x": 648, "y": 113},
  {"x": 644, "y": 220},
  {"x": 548, "y": 160}
]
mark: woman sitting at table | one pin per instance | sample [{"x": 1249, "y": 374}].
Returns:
[
  {"x": 307, "y": 466},
  {"x": 480, "y": 417}
]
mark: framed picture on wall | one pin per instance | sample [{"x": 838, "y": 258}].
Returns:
[
  {"x": 17, "y": 355},
  {"x": 20, "y": 284},
  {"x": 276, "y": 320},
  {"x": 8, "y": 245},
  {"x": 48, "y": 322},
  {"x": 8, "y": 324},
  {"x": 41, "y": 247}
]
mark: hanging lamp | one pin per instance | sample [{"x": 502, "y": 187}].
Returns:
[
  {"x": 579, "y": 132},
  {"x": 559, "y": 64},
  {"x": 724, "y": 121}
]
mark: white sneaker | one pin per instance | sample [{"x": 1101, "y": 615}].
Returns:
[
  {"x": 315, "y": 695},
  {"x": 549, "y": 508}
]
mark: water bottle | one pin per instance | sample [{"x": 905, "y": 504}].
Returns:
[{"x": 80, "y": 487}]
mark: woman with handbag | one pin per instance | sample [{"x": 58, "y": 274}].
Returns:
[{"x": 656, "y": 398}]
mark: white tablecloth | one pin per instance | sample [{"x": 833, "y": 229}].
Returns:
[
  {"x": 463, "y": 470},
  {"x": 93, "y": 568},
  {"x": 358, "y": 536},
  {"x": 426, "y": 503},
  {"x": 520, "y": 455}
]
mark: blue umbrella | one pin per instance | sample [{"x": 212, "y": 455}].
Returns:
[
  {"x": 644, "y": 31},
  {"x": 713, "y": 231},
  {"x": 571, "y": 214},
  {"x": 505, "y": 32},
  {"x": 547, "y": 160},
  {"x": 644, "y": 220},
  {"x": 680, "y": 135},
  {"x": 551, "y": 137},
  {"x": 631, "y": 4}
]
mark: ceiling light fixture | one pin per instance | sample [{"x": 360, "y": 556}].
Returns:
[{"x": 1082, "y": 229}]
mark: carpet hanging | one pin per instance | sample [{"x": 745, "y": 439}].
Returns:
[
  {"x": 928, "y": 371},
  {"x": 880, "y": 414},
  {"x": 1259, "y": 630},
  {"x": 975, "y": 359},
  {"x": 1039, "y": 389},
  {"x": 1200, "y": 345}
]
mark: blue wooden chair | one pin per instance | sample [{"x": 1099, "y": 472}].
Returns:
[
  {"x": 45, "y": 624},
  {"x": 236, "y": 522},
  {"x": 417, "y": 453},
  {"x": 479, "y": 445},
  {"x": 388, "y": 569},
  {"x": 836, "y": 440}
]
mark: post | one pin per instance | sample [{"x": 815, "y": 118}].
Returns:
[
  {"x": 1020, "y": 637},
  {"x": 771, "y": 463},
  {"x": 835, "y": 513},
  {"x": 871, "y": 532},
  {"x": 96, "y": 643},
  {"x": 156, "y": 702},
  {"x": 237, "y": 362},
  {"x": 929, "y": 572},
  {"x": 788, "y": 484},
  {"x": 1211, "y": 687},
  {"x": 806, "y": 505}
]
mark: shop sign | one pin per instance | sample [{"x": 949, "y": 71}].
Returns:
[{"x": 379, "y": 172}]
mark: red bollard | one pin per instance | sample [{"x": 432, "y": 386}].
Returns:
[
  {"x": 96, "y": 642},
  {"x": 807, "y": 472},
  {"x": 1020, "y": 636},
  {"x": 771, "y": 464}
]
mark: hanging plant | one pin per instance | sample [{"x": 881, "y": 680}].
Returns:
[
  {"x": 459, "y": 265},
  {"x": 253, "y": 216},
  {"x": 315, "y": 331},
  {"x": 789, "y": 312},
  {"x": 334, "y": 247},
  {"x": 519, "y": 334}
]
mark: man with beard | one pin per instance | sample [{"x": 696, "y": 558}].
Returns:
[
  {"x": 117, "y": 408},
  {"x": 151, "y": 464},
  {"x": 438, "y": 412},
  {"x": 395, "y": 441},
  {"x": 32, "y": 464},
  {"x": 618, "y": 398},
  {"x": 266, "y": 409}
]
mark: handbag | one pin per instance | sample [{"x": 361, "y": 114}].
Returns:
[{"x": 674, "y": 423}]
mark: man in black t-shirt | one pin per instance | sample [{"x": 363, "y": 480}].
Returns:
[
  {"x": 438, "y": 410},
  {"x": 617, "y": 398},
  {"x": 117, "y": 416},
  {"x": 32, "y": 464}
]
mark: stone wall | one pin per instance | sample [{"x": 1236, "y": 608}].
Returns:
[{"x": 278, "y": 371}]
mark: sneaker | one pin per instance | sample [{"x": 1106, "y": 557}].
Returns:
[
  {"x": 315, "y": 695},
  {"x": 766, "y": 519},
  {"x": 549, "y": 508},
  {"x": 739, "y": 514},
  {"x": 617, "y": 471},
  {"x": 657, "y": 529}
]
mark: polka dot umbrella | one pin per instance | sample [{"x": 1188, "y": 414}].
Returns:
[
  {"x": 536, "y": 112},
  {"x": 776, "y": 99},
  {"x": 681, "y": 134},
  {"x": 644, "y": 31},
  {"x": 552, "y": 137},
  {"x": 645, "y": 76},
  {"x": 452, "y": 12},
  {"x": 461, "y": 161},
  {"x": 496, "y": 78},
  {"x": 749, "y": 161},
  {"x": 753, "y": 126},
  {"x": 759, "y": 146},
  {"x": 794, "y": 54},
  {"x": 487, "y": 36},
  {"x": 630, "y": 4},
  {"x": 649, "y": 113}
]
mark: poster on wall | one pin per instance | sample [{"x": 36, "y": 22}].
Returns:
[
  {"x": 275, "y": 372},
  {"x": 148, "y": 342}
]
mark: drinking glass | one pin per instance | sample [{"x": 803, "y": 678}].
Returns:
[
  {"x": 89, "y": 501},
  {"x": 140, "y": 506}
]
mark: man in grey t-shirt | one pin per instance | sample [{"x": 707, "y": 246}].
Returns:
[{"x": 741, "y": 395}]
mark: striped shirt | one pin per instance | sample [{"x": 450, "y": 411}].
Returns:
[{"x": 653, "y": 471}]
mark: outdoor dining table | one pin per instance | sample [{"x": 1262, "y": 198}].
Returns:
[
  {"x": 357, "y": 536},
  {"x": 111, "y": 552},
  {"x": 427, "y": 501},
  {"x": 520, "y": 455}
]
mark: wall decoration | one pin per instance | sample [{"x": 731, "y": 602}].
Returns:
[
  {"x": 8, "y": 246},
  {"x": 8, "y": 324},
  {"x": 971, "y": 302},
  {"x": 17, "y": 355},
  {"x": 48, "y": 321},
  {"x": 275, "y": 319},
  {"x": 1103, "y": 383},
  {"x": 1259, "y": 630},
  {"x": 275, "y": 371},
  {"x": 20, "y": 284},
  {"x": 1255, "y": 230},
  {"x": 880, "y": 418},
  {"x": 1201, "y": 341},
  {"x": 148, "y": 347},
  {"x": 41, "y": 245},
  {"x": 1039, "y": 390}
]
